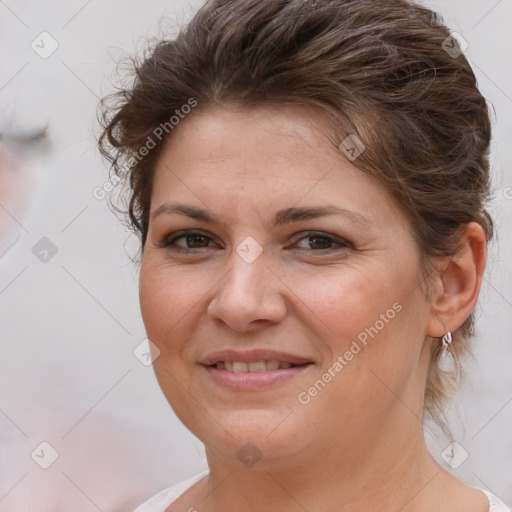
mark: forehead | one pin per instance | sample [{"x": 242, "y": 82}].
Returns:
[
  {"x": 262, "y": 157},
  {"x": 259, "y": 142}
]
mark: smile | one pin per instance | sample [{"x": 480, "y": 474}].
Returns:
[
  {"x": 243, "y": 376},
  {"x": 256, "y": 366}
]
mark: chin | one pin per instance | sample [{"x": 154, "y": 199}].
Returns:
[{"x": 255, "y": 433}]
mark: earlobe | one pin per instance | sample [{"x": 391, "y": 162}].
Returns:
[{"x": 457, "y": 285}]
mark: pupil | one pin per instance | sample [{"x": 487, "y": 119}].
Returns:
[
  {"x": 194, "y": 238},
  {"x": 326, "y": 241}
]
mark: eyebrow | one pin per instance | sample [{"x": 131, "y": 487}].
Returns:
[{"x": 284, "y": 216}]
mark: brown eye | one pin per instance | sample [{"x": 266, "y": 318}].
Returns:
[
  {"x": 196, "y": 240},
  {"x": 192, "y": 240},
  {"x": 323, "y": 242},
  {"x": 320, "y": 242}
]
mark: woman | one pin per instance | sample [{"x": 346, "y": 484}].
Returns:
[{"x": 309, "y": 184}]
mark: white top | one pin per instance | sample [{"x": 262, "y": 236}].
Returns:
[{"x": 160, "y": 501}]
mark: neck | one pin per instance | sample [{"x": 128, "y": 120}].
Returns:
[{"x": 378, "y": 471}]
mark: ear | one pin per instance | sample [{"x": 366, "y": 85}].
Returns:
[{"x": 457, "y": 284}]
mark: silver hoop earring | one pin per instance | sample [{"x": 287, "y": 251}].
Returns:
[{"x": 447, "y": 340}]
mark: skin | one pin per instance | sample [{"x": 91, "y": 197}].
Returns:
[{"x": 358, "y": 444}]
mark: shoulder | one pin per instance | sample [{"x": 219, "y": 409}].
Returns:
[
  {"x": 160, "y": 501},
  {"x": 496, "y": 505}
]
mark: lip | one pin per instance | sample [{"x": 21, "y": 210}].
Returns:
[
  {"x": 252, "y": 356},
  {"x": 253, "y": 380}
]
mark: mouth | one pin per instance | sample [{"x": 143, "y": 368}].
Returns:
[
  {"x": 255, "y": 360},
  {"x": 254, "y": 375},
  {"x": 254, "y": 366},
  {"x": 253, "y": 369}
]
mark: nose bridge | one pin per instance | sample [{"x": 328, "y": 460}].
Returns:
[
  {"x": 248, "y": 292},
  {"x": 247, "y": 279}
]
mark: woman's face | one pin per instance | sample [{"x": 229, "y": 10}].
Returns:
[{"x": 339, "y": 291}]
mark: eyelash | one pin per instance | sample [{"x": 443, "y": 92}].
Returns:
[{"x": 169, "y": 241}]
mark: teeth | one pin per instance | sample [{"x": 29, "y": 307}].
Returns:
[
  {"x": 272, "y": 365},
  {"x": 240, "y": 366},
  {"x": 256, "y": 366}
]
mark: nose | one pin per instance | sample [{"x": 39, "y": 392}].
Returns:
[{"x": 249, "y": 296}]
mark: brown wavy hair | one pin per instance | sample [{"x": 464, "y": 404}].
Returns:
[{"x": 387, "y": 71}]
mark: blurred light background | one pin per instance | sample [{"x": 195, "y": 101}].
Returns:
[{"x": 69, "y": 311}]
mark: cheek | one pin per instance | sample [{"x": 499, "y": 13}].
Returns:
[
  {"x": 371, "y": 359},
  {"x": 163, "y": 301},
  {"x": 369, "y": 318},
  {"x": 348, "y": 302},
  {"x": 172, "y": 302},
  {"x": 379, "y": 326}
]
